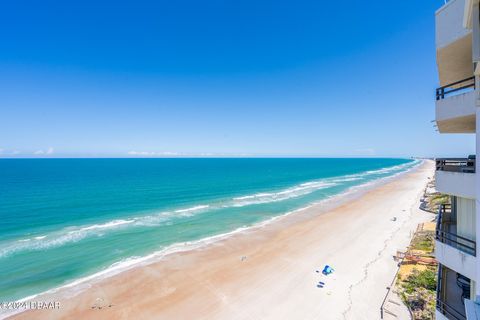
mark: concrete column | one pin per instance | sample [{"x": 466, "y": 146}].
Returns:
[
  {"x": 476, "y": 58},
  {"x": 477, "y": 200},
  {"x": 477, "y": 194},
  {"x": 475, "y": 35},
  {"x": 476, "y": 63}
]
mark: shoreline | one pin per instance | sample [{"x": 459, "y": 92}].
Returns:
[
  {"x": 320, "y": 206},
  {"x": 288, "y": 220}
]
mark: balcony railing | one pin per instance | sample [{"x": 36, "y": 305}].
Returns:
[
  {"x": 449, "y": 288},
  {"x": 466, "y": 165},
  {"x": 447, "y": 90},
  {"x": 444, "y": 235},
  {"x": 449, "y": 311}
]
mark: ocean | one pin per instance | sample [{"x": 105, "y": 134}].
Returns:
[{"x": 68, "y": 219}]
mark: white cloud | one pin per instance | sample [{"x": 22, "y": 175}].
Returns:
[
  {"x": 168, "y": 153},
  {"x": 1, "y": 151},
  {"x": 45, "y": 152},
  {"x": 15, "y": 152},
  {"x": 141, "y": 153}
]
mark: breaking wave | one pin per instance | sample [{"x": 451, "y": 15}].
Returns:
[{"x": 77, "y": 233}]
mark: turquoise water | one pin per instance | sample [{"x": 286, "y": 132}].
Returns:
[{"x": 64, "y": 219}]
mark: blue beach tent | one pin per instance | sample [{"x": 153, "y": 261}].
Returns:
[{"x": 327, "y": 270}]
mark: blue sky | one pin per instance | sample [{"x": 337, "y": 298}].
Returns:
[{"x": 163, "y": 78}]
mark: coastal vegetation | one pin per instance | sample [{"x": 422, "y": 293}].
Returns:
[
  {"x": 416, "y": 280},
  {"x": 419, "y": 293},
  {"x": 438, "y": 199},
  {"x": 424, "y": 241},
  {"x": 432, "y": 199}
]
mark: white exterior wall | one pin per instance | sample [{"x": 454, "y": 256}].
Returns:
[
  {"x": 456, "y": 106},
  {"x": 458, "y": 184},
  {"x": 472, "y": 289},
  {"x": 456, "y": 260},
  {"x": 473, "y": 9},
  {"x": 449, "y": 23},
  {"x": 472, "y": 310},
  {"x": 477, "y": 192}
]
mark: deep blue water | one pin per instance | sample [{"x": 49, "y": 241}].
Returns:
[{"x": 63, "y": 219}]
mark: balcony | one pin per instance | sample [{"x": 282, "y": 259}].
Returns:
[
  {"x": 453, "y": 247},
  {"x": 453, "y": 38},
  {"x": 452, "y": 289},
  {"x": 455, "y": 107},
  {"x": 446, "y": 231},
  {"x": 456, "y": 176}
]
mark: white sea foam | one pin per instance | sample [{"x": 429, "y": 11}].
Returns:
[
  {"x": 165, "y": 217},
  {"x": 108, "y": 225},
  {"x": 75, "y": 234},
  {"x": 312, "y": 186},
  {"x": 193, "y": 209},
  {"x": 76, "y": 286},
  {"x": 264, "y": 194},
  {"x": 293, "y": 192},
  {"x": 59, "y": 238}
]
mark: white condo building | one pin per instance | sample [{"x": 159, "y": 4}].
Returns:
[{"x": 457, "y": 38}]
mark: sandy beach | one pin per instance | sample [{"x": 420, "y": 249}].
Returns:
[{"x": 270, "y": 272}]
